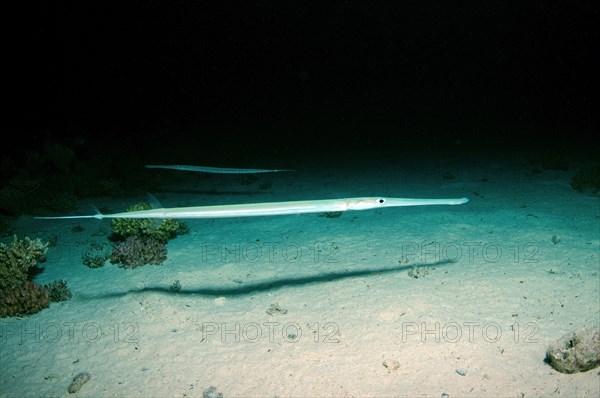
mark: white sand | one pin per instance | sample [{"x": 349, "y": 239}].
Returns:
[{"x": 344, "y": 282}]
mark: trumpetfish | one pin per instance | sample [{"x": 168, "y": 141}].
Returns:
[
  {"x": 271, "y": 208},
  {"x": 214, "y": 170}
]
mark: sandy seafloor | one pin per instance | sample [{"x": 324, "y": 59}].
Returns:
[{"x": 489, "y": 314}]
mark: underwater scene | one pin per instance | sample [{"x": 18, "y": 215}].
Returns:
[{"x": 339, "y": 200}]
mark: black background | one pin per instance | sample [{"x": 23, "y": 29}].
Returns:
[{"x": 328, "y": 74}]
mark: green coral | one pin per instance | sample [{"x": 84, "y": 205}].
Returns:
[
  {"x": 17, "y": 258},
  {"x": 162, "y": 231}
]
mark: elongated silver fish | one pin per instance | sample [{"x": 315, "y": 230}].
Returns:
[
  {"x": 271, "y": 208},
  {"x": 213, "y": 170}
]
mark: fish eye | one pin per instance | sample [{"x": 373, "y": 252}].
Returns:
[{"x": 381, "y": 201}]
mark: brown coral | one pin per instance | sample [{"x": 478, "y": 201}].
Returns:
[
  {"x": 137, "y": 251},
  {"x": 27, "y": 299}
]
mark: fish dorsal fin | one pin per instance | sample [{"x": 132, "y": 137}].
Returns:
[
  {"x": 154, "y": 203},
  {"x": 95, "y": 209}
]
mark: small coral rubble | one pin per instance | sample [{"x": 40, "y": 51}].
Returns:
[
  {"x": 58, "y": 291},
  {"x": 96, "y": 254},
  {"x": 576, "y": 351},
  {"x": 587, "y": 180}
]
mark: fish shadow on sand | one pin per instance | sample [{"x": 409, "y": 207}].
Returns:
[{"x": 271, "y": 284}]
